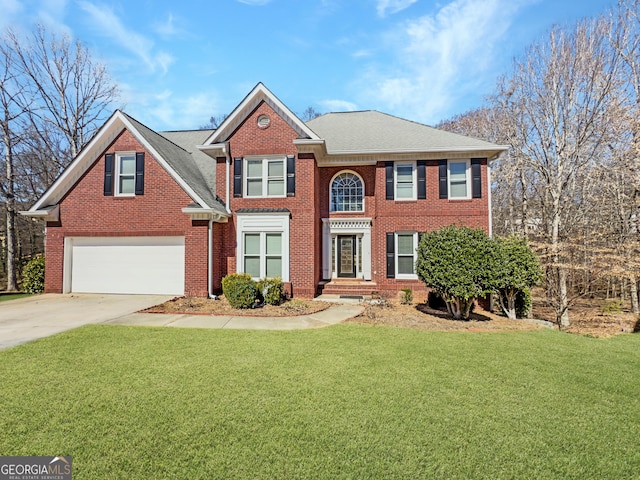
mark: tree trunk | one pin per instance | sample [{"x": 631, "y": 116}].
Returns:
[
  {"x": 633, "y": 286},
  {"x": 12, "y": 284},
  {"x": 561, "y": 302},
  {"x": 508, "y": 307}
]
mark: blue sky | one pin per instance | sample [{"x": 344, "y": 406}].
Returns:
[{"x": 180, "y": 62}]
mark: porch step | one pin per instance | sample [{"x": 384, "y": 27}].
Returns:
[
  {"x": 350, "y": 288},
  {"x": 348, "y": 299}
]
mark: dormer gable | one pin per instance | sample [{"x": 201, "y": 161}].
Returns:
[{"x": 259, "y": 94}]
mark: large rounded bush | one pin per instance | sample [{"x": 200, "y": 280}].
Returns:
[
  {"x": 272, "y": 290},
  {"x": 240, "y": 290},
  {"x": 33, "y": 275}
]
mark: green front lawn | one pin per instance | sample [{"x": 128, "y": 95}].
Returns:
[
  {"x": 342, "y": 402},
  {"x": 13, "y": 296}
]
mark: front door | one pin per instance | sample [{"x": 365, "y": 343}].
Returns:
[{"x": 346, "y": 256}]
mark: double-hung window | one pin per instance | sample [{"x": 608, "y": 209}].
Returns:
[
  {"x": 263, "y": 254},
  {"x": 265, "y": 177},
  {"x": 406, "y": 254},
  {"x": 405, "y": 181},
  {"x": 459, "y": 179},
  {"x": 125, "y": 174}
]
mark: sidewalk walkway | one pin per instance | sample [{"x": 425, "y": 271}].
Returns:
[{"x": 334, "y": 314}]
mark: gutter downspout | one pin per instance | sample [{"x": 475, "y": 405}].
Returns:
[
  {"x": 491, "y": 300},
  {"x": 489, "y": 199},
  {"x": 227, "y": 173},
  {"x": 210, "y": 259}
]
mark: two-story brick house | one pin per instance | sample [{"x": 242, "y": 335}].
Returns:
[{"x": 336, "y": 204}]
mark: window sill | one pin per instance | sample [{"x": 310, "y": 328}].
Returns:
[
  {"x": 262, "y": 197},
  {"x": 406, "y": 277}
]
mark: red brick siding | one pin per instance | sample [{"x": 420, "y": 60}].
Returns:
[
  {"x": 85, "y": 211},
  {"x": 311, "y": 204},
  {"x": 420, "y": 216},
  {"x": 305, "y": 223}
]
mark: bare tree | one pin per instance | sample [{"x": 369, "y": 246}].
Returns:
[
  {"x": 309, "y": 114},
  {"x": 12, "y": 103},
  {"x": 54, "y": 96},
  {"x": 625, "y": 40},
  {"x": 214, "y": 122},
  {"x": 73, "y": 91},
  {"x": 561, "y": 96}
]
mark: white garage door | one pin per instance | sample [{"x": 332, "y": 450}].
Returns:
[{"x": 127, "y": 265}]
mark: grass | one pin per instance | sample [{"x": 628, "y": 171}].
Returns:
[
  {"x": 13, "y": 296},
  {"x": 343, "y": 402}
]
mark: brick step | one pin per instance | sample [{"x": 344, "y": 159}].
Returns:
[{"x": 348, "y": 287}]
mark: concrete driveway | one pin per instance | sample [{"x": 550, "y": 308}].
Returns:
[{"x": 39, "y": 316}]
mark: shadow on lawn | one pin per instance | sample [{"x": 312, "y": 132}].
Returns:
[{"x": 476, "y": 317}]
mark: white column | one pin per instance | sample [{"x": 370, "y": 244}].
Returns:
[
  {"x": 326, "y": 249},
  {"x": 366, "y": 254}
]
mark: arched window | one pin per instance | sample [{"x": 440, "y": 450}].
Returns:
[{"x": 347, "y": 193}]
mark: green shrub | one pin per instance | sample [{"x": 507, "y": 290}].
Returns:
[
  {"x": 613, "y": 306},
  {"x": 240, "y": 290},
  {"x": 271, "y": 290},
  {"x": 406, "y": 296},
  {"x": 33, "y": 275}
]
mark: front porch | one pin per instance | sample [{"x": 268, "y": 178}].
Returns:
[{"x": 346, "y": 250}]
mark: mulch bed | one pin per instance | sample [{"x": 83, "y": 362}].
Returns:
[
  {"x": 207, "y": 306},
  {"x": 587, "y": 317}
]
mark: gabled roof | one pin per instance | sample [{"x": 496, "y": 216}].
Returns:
[
  {"x": 370, "y": 132},
  {"x": 259, "y": 94},
  {"x": 177, "y": 161}
]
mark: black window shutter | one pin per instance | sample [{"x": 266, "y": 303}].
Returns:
[
  {"x": 139, "y": 173},
  {"x": 442, "y": 178},
  {"x": 422, "y": 179},
  {"x": 237, "y": 177},
  {"x": 391, "y": 255},
  {"x": 109, "y": 160},
  {"x": 476, "y": 177},
  {"x": 388, "y": 166},
  {"x": 291, "y": 175}
]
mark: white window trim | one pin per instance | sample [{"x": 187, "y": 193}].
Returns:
[
  {"x": 406, "y": 276},
  {"x": 414, "y": 180},
  {"x": 468, "y": 178},
  {"x": 261, "y": 223},
  {"x": 265, "y": 175},
  {"x": 346, "y": 226},
  {"x": 331, "y": 188},
  {"x": 116, "y": 190},
  {"x": 262, "y": 255}
]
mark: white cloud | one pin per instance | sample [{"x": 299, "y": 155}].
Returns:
[
  {"x": 22, "y": 15},
  {"x": 254, "y": 2},
  {"x": 10, "y": 9},
  {"x": 167, "y": 28},
  {"x": 362, "y": 53},
  {"x": 439, "y": 58},
  {"x": 141, "y": 46},
  {"x": 169, "y": 110},
  {"x": 338, "y": 105},
  {"x": 392, "y": 6}
]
